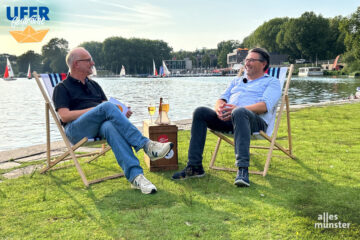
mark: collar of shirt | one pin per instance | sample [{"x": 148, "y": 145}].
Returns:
[
  {"x": 264, "y": 76},
  {"x": 76, "y": 80}
]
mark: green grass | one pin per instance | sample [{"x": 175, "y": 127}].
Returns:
[{"x": 285, "y": 204}]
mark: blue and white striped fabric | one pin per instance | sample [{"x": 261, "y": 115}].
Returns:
[{"x": 51, "y": 80}]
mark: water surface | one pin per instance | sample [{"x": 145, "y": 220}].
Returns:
[{"x": 22, "y": 108}]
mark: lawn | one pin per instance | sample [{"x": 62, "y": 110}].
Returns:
[{"x": 286, "y": 204}]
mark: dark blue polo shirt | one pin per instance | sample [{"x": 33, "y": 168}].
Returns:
[{"x": 74, "y": 95}]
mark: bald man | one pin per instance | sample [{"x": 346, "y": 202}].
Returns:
[{"x": 85, "y": 112}]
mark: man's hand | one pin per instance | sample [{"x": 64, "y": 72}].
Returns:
[
  {"x": 129, "y": 113},
  {"x": 225, "y": 112},
  {"x": 218, "y": 106}
]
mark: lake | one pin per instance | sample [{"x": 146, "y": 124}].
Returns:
[{"x": 22, "y": 114}]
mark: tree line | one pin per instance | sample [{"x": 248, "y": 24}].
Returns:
[{"x": 310, "y": 36}]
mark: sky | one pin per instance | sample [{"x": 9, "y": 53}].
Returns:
[{"x": 184, "y": 25}]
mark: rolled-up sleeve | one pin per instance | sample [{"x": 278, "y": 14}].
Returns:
[{"x": 271, "y": 94}]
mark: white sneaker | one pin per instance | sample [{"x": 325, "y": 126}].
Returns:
[
  {"x": 157, "y": 150},
  {"x": 146, "y": 187}
]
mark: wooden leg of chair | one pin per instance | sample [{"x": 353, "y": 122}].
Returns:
[
  {"x": 107, "y": 178},
  {"x": 215, "y": 153},
  {"x": 48, "y": 147},
  {"x": 268, "y": 158},
  {"x": 99, "y": 154},
  {"x": 79, "y": 169},
  {"x": 103, "y": 147},
  {"x": 288, "y": 123},
  {"x": 63, "y": 156}
]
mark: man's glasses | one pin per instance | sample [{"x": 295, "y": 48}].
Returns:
[
  {"x": 252, "y": 60},
  {"x": 89, "y": 60}
]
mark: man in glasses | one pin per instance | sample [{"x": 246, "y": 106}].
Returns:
[
  {"x": 242, "y": 109},
  {"x": 85, "y": 112}
]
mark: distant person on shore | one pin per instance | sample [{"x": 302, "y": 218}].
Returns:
[
  {"x": 85, "y": 112},
  {"x": 243, "y": 108}
]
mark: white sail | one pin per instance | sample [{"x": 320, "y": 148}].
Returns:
[
  {"x": 29, "y": 72},
  {"x": 166, "y": 70},
  {"x": 122, "y": 72},
  {"x": 10, "y": 70},
  {"x": 155, "y": 73},
  {"x": 9, "y": 73}
]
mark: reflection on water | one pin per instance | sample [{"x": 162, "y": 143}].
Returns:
[
  {"x": 320, "y": 89},
  {"x": 22, "y": 116}
]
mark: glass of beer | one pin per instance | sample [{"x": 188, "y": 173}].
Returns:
[
  {"x": 151, "y": 110},
  {"x": 165, "y": 105}
]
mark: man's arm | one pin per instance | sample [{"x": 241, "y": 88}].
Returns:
[
  {"x": 67, "y": 116},
  {"x": 258, "y": 108},
  {"x": 226, "y": 110}
]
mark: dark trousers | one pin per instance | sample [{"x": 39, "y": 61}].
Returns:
[{"x": 243, "y": 123}]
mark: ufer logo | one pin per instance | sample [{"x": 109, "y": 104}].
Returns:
[{"x": 28, "y": 15}]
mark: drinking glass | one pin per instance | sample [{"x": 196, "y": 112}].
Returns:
[
  {"x": 165, "y": 105},
  {"x": 151, "y": 110}
]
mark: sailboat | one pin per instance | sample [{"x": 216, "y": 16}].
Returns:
[
  {"x": 9, "y": 73},
  {"x": 165, "y": 69},
  {"x": 29, "y": 73},
  {"x": 155, "y": 73},
  {"x": 122, "y": 72}
]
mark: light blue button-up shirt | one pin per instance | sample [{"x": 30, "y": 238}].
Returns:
[{"x": 264, "y": 89}]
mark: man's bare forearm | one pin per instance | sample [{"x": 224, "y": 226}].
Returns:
[{"x": 67, "y": 116}]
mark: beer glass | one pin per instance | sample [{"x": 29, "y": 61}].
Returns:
[
  {"x": 165, "y": 105},
  {"x": 151, "y": 110}
]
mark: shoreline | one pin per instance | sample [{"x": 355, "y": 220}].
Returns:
[{"x": 39, "y": 151}]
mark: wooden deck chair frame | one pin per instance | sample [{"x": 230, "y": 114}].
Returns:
[
  {"x": 273, "y": 144},
  {"x": 70, "y": 153}
]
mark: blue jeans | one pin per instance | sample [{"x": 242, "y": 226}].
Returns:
[
  {"x": 243, "y": 123},
  {"x": 106, "y": 121}
]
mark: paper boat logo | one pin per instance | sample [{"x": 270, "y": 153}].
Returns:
[{"x": 29, "y": 35}]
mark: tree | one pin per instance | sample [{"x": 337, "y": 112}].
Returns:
[
  {"x": 54, "y": 53},
  {"x": 205, "y": 61},
  {"x": 265, "y": 35},
  {"x": 223, "y": 48},
  {"x": 96, "y": 51},
  {"x": 307, "y": 36},
  {"x": 30, "y": 57},
  {"x": 135, "y": 54},
  {"x": 336, "y": 38},
  {"x": 351, "y": 28}
]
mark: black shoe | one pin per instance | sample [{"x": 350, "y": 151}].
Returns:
[
  {"x": 242, "y": 177},
  {"x": 189, "y": 172}
]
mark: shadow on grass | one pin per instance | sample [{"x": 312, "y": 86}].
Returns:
[{"x": 130, "y": 214}]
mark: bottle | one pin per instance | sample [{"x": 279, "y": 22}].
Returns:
[{"x": 162, "y": 118}]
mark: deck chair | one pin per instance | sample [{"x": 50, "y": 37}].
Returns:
[
  {"x": 271, "y": 132},
  {"x": 47, "y": 85}
]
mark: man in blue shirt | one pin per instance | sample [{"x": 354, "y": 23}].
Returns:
[{"x": 244, "y": 107}]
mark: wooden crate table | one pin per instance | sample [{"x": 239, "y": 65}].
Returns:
[{"x": 162, "y": 133}]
